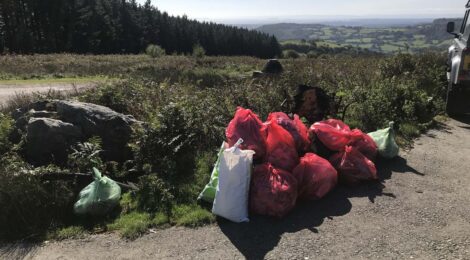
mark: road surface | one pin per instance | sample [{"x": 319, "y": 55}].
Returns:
[
  {"x": 8, "y": 91},
  {"x": 421, "y": 210}
]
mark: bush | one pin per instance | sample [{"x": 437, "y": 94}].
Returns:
[
  {"x": 6, "y": 126},
  {"x": 30, "y": 205},
  {"x": 198, "y": 51},
  {"x": 155, "y": 51},
  {"x": 290, "y": 54},
  {"x": 154, "y": 195}
]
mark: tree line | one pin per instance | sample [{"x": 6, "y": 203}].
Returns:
[{"x": 118, "y": 26}]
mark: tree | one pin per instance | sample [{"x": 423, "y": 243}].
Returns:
[{"x": 119, "y": 26}]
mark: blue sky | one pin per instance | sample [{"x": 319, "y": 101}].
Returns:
[{"x": 236, "y": 9}]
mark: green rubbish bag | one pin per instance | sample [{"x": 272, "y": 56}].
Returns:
[
  {"x": 208, "y": 193},
  {"x": 385, "y": 140},
  {"x": 99, "y": 197}
]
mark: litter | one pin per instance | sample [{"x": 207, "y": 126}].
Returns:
[
  {"x": 231, "y": 198},
  {"x": 315, "y": 176},
  {"x": 295, "y": 127},
  {"x": 247, "y": 126},
  {"x": 385, "y": 141},
  {"x": 99, "y": 197},
  {"x": 353, "y": 166},
  {"x": 364, "y": 144},
  {"x": 273, "y": 191},
  {"x": 281, "y": 151},
  {"x": 334, "y": 134},
  {"x": 208, "y": 193}
]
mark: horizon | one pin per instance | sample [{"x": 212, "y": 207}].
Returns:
[{"x": 225, "y": 11}]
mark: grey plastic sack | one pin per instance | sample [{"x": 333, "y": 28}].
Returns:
[
  {"x": 385, "y": 141},
  {"x": 99, "y": 197}
]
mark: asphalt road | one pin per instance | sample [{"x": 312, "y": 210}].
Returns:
[{"x": 420, "y": 210}]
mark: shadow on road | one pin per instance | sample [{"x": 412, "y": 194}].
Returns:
[
  {"x": 17, "y": 250},
  {"x": 258, "y": 237},
  {"x": 463, "y": 119}
]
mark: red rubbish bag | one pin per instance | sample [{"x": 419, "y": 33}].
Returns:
[
  {"x": 303, "y": 132},
  {"x": 273, "y": 191},
  {"x": 364, "y": 144},
  {"x": 353, "y": 166},
  {"x": 280, "y": 147},
  {"x": 295, "y": 127},
  {"x": 247, "y": 126},
  {"x": 315, "y": 176},
  {"x": 334, "y": 134}
]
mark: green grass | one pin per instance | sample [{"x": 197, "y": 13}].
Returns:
[
  {"x": 134, "y": 224},
  {"x": 131, "y": 225},
  {"x": 160, "y": 219},
  {"x": 72, "y": 232},
  {"x": 191, "y": 216},
  {"x": 409, "y": 130}
]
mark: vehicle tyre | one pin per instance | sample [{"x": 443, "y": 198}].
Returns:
[{"x": 458, "y": 100}]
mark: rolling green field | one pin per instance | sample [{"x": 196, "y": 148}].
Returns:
[{"x": 410, "y": 39}]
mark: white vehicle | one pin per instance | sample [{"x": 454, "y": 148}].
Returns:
[{"x": 458, "y": 67}]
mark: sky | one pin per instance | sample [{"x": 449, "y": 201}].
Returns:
[{"x": 259, "y": 9}]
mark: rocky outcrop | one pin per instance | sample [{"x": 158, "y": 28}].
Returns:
[
  {"x": 273, "y": 67},
  {"x": 48, "y": 140},
  {"x": 51, "y": 127}
]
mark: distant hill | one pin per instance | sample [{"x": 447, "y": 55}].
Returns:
[{"x": 414, "y": 38}]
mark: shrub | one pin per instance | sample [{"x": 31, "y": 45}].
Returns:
[
  {"x": 154, "y": 195},
  {"x": 198, "y": 51},
  {"x": 6, "y": 126},
  {"x": 30, "y": 205},
  {"x": 155, "y": 51},
  {"x": 290, "y": 54}
]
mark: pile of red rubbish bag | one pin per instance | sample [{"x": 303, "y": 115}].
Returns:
[{"x": 286, "y": 171}]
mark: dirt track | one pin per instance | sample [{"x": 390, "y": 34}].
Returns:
[
  {"x": 10, "y": 90},
  {"x": 420, "y": 211}
]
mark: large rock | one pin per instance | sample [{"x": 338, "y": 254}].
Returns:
[
  {"x": 273, "y": 67},
  {"x": 49, "y": 140},
  {"x": 114, "y": 129},
  {"x": 51, "y": 127}
]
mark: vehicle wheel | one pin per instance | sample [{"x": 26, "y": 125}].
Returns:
[{"x": 457, "y": 102}]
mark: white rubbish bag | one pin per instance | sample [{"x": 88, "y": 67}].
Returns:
[{"x": 231, "y": 198}]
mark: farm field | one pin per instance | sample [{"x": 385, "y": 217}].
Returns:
[{"x": 412, "y": 39}]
